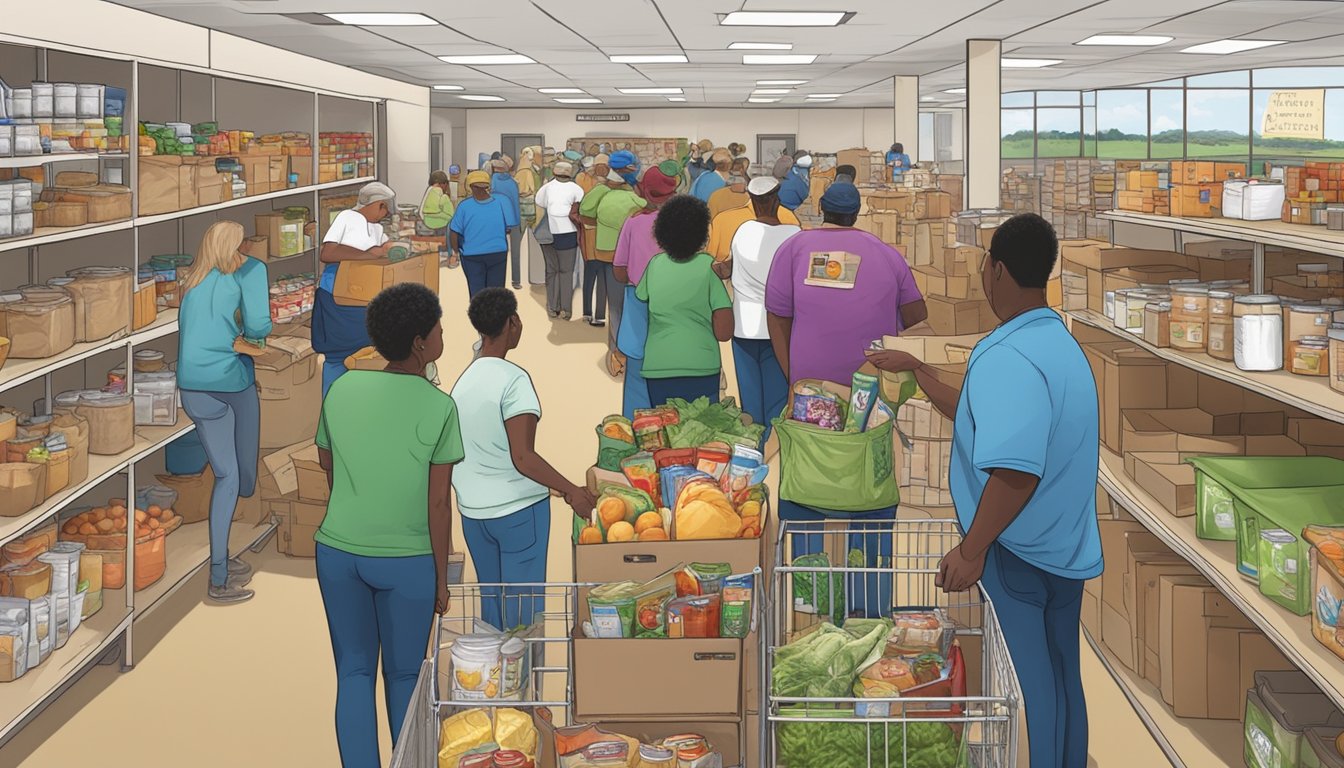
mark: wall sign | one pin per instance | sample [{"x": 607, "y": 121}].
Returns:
[
  {"x": 1297, "y": 114},
  {"x": 604, "y": 117}
]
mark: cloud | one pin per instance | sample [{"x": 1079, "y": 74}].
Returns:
[{"x": 1163, "y": 123}]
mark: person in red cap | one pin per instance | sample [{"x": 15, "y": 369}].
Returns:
[{"x": 634, "y": 250}]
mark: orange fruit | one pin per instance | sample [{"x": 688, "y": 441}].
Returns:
[
  {"x": 648, "y": 520},
  {"x": 590, "y": 535},
  {"x": 652, "y": 534},
  {"x": 621, "y": 531},
  {"x": 611, "y": 510},
  {"x": 834, "y": 269},
  {"x": 1332, "y": 549}
]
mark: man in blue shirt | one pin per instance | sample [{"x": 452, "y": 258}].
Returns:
[
  {"x": 898, "y": 162},
  {"x": 1023, "y": 478},
  {"x": 504, "y": 187},
  {"x": 478, "y": 234},
  {"x": 711, "y": 182},
  {"x": 797, "y": 184}
]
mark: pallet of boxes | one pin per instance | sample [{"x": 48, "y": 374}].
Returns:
[
  {"x": 1314, "y": 193},
  {"x": 946, "y": 255},
  {"x": 1073, "y": 191}
]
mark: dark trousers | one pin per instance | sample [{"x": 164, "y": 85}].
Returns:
[
  {"x": 760, "y": 381},
  {"x": 1039, "y": 613},
  {"x": 484, "y": 271},
  {"x": 686, "y": 387},
  {"x": 595, "y": 280}
]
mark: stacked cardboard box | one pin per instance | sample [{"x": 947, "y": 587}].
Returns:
[
  {"x": 1073, "y": 191},
  {"x": 1091, "y": 268},
  {"x": 293, "y": 493},
  {"x": 924, "y": 472},
  {"x": 1325, "y": 180},
  {"x": 1020, "y": 190},
  {"x": 1144, "y": 192}
]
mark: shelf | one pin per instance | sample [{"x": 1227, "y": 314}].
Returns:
[
  {"x": 26, "y": 161},
  {"x": 48, "y": 235},
  {"x": 188, "y": 552},
  {"x": 147, "y": 441},
  {"x": 280, "y": 259},
  {"x": 18, "y": 372},
  {"x": 1309, "y": 393},
  {"x": 1187, "y": 742},
  {"x": 1303, "y": 237},
  {"x": 20, "y": 698},
  {"x": 1216, "y": 561}
]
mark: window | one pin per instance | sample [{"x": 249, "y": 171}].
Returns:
[
  {"x": 1089, "y": 131},
  {"x": 1059, "y": 132},
  {"x": 926, "y": 148},
  {"x": 1019, "y": 99},
  {"x": 1218, "y": 124},
  {"x": 1019, "y": 132},
  {"x": 1166, "y": 124},
  {"x": 1238, "y": 79},
  {"x": 1057, "y": 99},
  {"x": 1285, "y": 150},
  {"x": 1298, "y": 77},
  {"x": 1122, "y": 124}
]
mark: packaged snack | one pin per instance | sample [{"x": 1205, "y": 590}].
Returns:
[
  {"x": 702, "y": 579},
  {"x": 746, "y": 470},
  {"x": 881, "y": 414},
  {"x": 822, "y": 410},
  {"x": 649, "y": 435},
  {"x": 673, "y": 479},
  {"x": 885, "y": 679},
  {"x": 668, "y": 414},
  {"x": 713, "y": 459},
  {"x": 610, "y": 450},
  {"x": 918, "y": 632},
  {"x": 642, "y": 472},
  {"x": 674, "y": 457},
  {"x": 612, "y": 608},
  {"x": 735, "y": 605},
  {"x": 651, "y": 606},
  {"x": 863, "y": 393},
  {"x": 619, "y": 428}
]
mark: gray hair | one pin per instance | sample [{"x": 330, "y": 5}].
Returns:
[{"x": 376, "y": 192}]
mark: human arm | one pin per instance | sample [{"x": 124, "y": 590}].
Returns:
[
  {"x": 724, "y": 269},
  {"x": 723, "y": 324},
  {"x": 941, "y": 395},
  {"x": 779, "y": 310},
  {"x": 441, "y": 529},
  {"x": 1006, "y": 495},
  {"x": 522, "y": 432},
  {"x": 588, "y": 206},
  {"x": 334, "y": 253},
  {"x": 913, "y": 313},
  {"x": 620, "y": 264},
  {"x": 722, "y": 305},
  {"x": 256, "y": 301},
  {"x": 781, "y": 331}
]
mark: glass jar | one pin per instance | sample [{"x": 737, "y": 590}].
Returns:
[
  {"x": 1129, "y": 312},
  {"x": 1302, "y": 320},
  {"x": 1336, "y": 336},
  {"x": 1111, "y": 298},
  {"x": 1257, "y": 322},
  {"x": 1189, "y": 317},
  {"x": 1157, "y": 323},
  {"x": 1309, "y": 356}
]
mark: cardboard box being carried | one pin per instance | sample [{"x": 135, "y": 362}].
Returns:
[
  {"x": 290, "y": 387},
  {"x": 357, "y": 282}
]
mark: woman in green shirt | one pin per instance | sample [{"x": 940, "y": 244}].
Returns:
[
  {"x": 436, "y": 209},
  {"x": 388, "y": 441},
  {"x": 690, "y": 312}
]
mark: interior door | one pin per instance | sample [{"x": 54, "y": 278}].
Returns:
[{"x": 512, "y": 144}]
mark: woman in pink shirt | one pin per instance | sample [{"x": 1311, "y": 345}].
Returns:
[{"x": 634, "y": 250}]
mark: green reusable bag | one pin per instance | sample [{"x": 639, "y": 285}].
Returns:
[{"x": 840, "y": 471}]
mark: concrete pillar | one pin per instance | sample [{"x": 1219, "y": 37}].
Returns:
[
  {"x": 905, "y": 114},
  {"x": 983, "y": 133}
]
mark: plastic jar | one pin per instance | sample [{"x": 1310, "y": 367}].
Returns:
[
  {"x": 1221, "y": 338},
  {"x": 22, "y": 102},
  {"x": 1189, "y": 317},
  {"x": 155, "y": 396},
  {"x": 66, "y": 402},
  {"x": 513, "y": 668},
  {"x": 148, "y": 361},
  {"x": 42, "y": 629},
  {"x": 1129, "y": 312},
  {"x": 1157, "y": 323},
  {"x": 1309, "y": 356},
  {"x": 656, "y": 757},
  {"x": 1336, "y": 336},
  {"x": 43, "y": 99},
  {"x": 1258, "y": 333},
  {"x": 111, "y": 418},
  {"x": 476, "y": 667},
  {"x": 1302, "y": 320},
  {"x": 65, "y": 100}
]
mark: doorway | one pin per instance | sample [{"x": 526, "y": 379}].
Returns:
[
  {"x": 770, "y": 148},
  {"x": 512, "y": 144},
  {"x": 436, "y": 152}
]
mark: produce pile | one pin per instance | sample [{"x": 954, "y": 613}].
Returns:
[
  {"x": 880, "y": 745},
  {"x": 678, "y": 424},
  {"x": 697, "y": 600},
  {"x": 105, "y": 527}
]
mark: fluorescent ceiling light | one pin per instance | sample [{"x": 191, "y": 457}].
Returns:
[
  {"x": 781, "y": 82},
  {"x": 824, "y": 95},
  {"x": 676, "y": 98},
  {"x": 649, "y": 91},
  {"x": 926, "y": 98},
  {"x": 1028, "y": 63},
  {"x": 587, "y": 100},
  {"x": 956, "y": 91},
  {"x": 449, "y": 88},
  {"x": 488, "y": 58},
  {"x": 560, "y": 90},
  {"x": 817, "y": 101},
  {"x": 761, "y": 47},
  {"x": 658, "y": 58},
  {"x": 778, "y": 58},
  {"x": 472, "y": 97},
  {"x": 1138, "y": 40},
  {"x": 762, "y": 101},
  {"x": 383, "y": 19},
  {"x": 784, "y": 19},
  {"x": 770, "y": 91},
  {"x": 1224, "y": 47}
]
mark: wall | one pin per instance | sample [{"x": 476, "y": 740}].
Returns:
[
  {"x": 819, "y": 129},
  {"x": 452, "y": 123}
]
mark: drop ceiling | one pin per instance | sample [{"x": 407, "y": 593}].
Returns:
[{"x": 571, "y": 42}]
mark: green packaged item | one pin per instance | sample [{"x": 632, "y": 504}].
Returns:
[
  {"x": 612, "y": 451},
  {"x": 1319, "y": 750},
  {"x": 651, "y": 606},
  {"x": 709, "y": 576},
  {"x": 863, "y": 393},
  {"x": 611, "y": 608},
  {"x": 819, "y": 591},
  {"x": 637, "y": 502},
  {"x": 1217, "y": 478},
  {"x": 113, "y": 126},
  {"x": 206, "y": 129},
  {"x": 841, "y": 471},
  {"x": 1278, "y": 567},
  {"x": 735, "y": 608},
  {"x": 1276, "y": 725}
]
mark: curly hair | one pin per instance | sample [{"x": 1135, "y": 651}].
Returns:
[
  {"x": 398, "y": 315},
  {"x": 682, "y": 227},
  {"x": 491, "y": 309}
]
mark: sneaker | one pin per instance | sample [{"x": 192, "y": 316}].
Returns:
[
  {"x": 564, "y": 316},
  {"x": 230, "y": 593},
  {"x": 598, "y": 323},
  {"x": 240, "y": 579},
  {"x": 517, "y": 286},
  {"x": 239, "y": 566},
  {"x": 587, "y": 318}
]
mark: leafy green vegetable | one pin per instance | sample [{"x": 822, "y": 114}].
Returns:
[
  {"x": 825, "y": 663},
  {"x": 804, "y": 744},
  {"x": 705, "y": 422},
  {"x": 819, "y": 591}
]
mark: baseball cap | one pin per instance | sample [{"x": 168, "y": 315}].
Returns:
[
  {"x": 841, "y": 197},
  {"x": 563, "y": 168},
  {"x": 602, "y": 159},
  {"x": 478, "y": 177},
  {"x": 377, "y": 192}
]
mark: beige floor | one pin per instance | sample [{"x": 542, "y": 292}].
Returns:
[{"x": 253, "y": 685}]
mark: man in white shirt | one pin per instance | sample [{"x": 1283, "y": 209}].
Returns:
[
  {"x": 761, "y": 381},
  {"x": 560, "y": 198}
]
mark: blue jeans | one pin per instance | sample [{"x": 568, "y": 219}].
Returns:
[
  {"x": 375, "y": 606},
  {"x": 872, "y": 536},
  {"x": 630, "y": 339},
  {"x": 635, "y": 393},
  {"x": 511, "y": 550},
  {"x": 485, "y": 271},
  {"x": 1039, "y": 614},
  {"x": 687, "y": 388},
  {"x": 760, "y": 381},
  {"x": 229, "y": 424}
]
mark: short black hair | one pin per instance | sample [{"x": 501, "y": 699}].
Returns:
[
  {"x": 898, "y": 148},
  {"x": 839, "y": 219},
  {"x": 682, "y": 227},
  {"x": 491, "y": 309},
  {"x": 1027, "y": 246},
  {"x": 399, "y": 314},
  {"x": 846, "y": 170}
]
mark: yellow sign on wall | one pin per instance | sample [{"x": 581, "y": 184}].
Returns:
[{"x": 1298, "y": 114}]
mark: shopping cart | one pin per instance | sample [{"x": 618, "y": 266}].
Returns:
[
  {"x": 869, "y": 568},
  {"x": 549, "y": 658}
]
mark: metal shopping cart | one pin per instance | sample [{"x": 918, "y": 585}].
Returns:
[
  {"x": 863, "y": 569},
  {"x": 547, "y": 688}
]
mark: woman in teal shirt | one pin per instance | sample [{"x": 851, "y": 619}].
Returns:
[
  {"x": 224, "y": 318},
  {"x": 388, "y": 441}
]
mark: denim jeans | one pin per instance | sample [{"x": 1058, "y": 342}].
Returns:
[
  {"x": 635, "y": 392},
  {"x": 688, "y": 388},
  {"x": 1039, "y": 613},
  {"x": 871, "y": 533},
  {"x": 229, "y": 424},
  {"x": 630, "y": 339},
  {"x": 511, "y": 550},
  {"x": 376, "y": 606},
  {"x": 760, "y": 381},
  {"x": 484, "y": 271}
]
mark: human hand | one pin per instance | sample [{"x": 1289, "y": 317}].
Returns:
[
  {"x": 442, "y": 602},
  {"x": 245, "y": 348},
  {"x": 958, "y": 571},
  {"x": 380, "y": 251},
  {"x": 581, "y": 501},
  {"x": 891, "y": 360}
]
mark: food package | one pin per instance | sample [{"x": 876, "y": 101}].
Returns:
[
  {"x": 713, "y": 459},
  {"x": 881, "y": 414},
  {"x": 13, "y": 652},
  {"x": 735, "y": 609},
  {"x": 702, "y": 579},
  {"x": 746, "y": 470},
  {"x": 611, "y": 608},
  {"x": 863, "y": 394},
  {"x": 611, "y": 450},
  {"x": 642, "y": 473},
  {"x": 461, "y": 733},
  {"x": 885, "y": 679},
  {"x": 704, "y": 512},
  {"x": 584, "y": 746},
  {"x": 675, "y": 457},
  {"x": 651, "y": 606},
  {"x": 813, "y": 404},
  {"x": 618, "y": 428},
  {"x": 672, "y": 479},
  {"x": 696, "y": 616},
  {"x": 29, "y": 581},
  {"x": 917, "y": 632},
  {"x": 650, "y": 434},
  {"x": 22, "y": 487}
]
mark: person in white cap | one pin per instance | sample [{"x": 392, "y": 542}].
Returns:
[
  {"x": 760, "y": 379},
  {"x": 558, "y": 201},
  {"x": 355, "y": 235}
]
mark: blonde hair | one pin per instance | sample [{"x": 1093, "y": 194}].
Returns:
[{"x": 219, "y": 250}]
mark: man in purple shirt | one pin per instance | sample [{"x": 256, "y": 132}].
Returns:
[{"x": 831, "y": 292}]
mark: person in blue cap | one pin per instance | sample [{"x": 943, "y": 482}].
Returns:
[
  {"x": 797, "y": 184},
  {"x": 504, "y": 187}
]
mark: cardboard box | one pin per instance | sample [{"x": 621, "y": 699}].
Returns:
[
  {"x": 1173, "y": 485},
  {"x": 1273, "y": 445},
  {"x": 947, "y": 356},
  {"x": 1316, "y": 432},
  {"x": 167, "y": 183},
  {"x": 284, "y": 236},
  {"x": 290, "y": 388},
  {"x": 1127, "y": 377},
  {"x": 952, "y": 317},
  {"x": 193, "y": 494},
  {"x": 1181, "y": 430},
  {"x": 1117, "y": 634},
  {"x": 932, "y": 205},
  {"x": 1148, "y": 559},
  {"x": 256, "y": 173},
  {"x": 1120, "y": 278},
  {"x": 298, "y": 523},
  {"x": 696, "y": 677},
  {"x": 312, "y": 479},
  {"x": 1091, "y": 617},
  {"x": 277, "y": 477},
  {"x": 357, "y": 282},
  {"x": 1197, "y": 200},
  {"x": 1200, "y": 649},
  {"x": 1113, "y": 553}
]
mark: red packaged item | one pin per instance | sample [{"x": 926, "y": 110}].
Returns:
[{"x": 675, "y": 457}]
